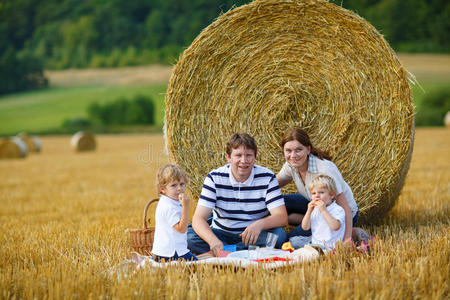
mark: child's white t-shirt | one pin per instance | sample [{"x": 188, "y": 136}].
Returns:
[
  {"x": 322, "y": 234},
  {"x": 167, "y": 240}
]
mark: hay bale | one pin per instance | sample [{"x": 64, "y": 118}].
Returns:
[
  {"x": 33, "y": 143},
  {"x": 83, "y": 141},
  {"x": 268, "y": 65},
  {"x": 447, "y": 119},
  {"x": 13, "y": 148}
]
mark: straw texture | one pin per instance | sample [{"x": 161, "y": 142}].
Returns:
[
  {"x": 13, "y": 148},
  {"x": 83, "y": 141},
  {"x": 268, "y": 65}
]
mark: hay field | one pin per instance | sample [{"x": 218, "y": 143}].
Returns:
[{"x": 64, "y": 216}]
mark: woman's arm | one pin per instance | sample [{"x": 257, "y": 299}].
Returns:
[
  {"x": 342, "y": 201},
  {"x": 282, "y": 181}
]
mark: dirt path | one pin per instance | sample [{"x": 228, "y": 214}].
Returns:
[
  {"x": 153, "y": 74},
  {"x": 426, "y": 67}
]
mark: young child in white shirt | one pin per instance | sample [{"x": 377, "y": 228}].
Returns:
[
  {"x": 325, "y": 218},
  {"x": 171, "y": 215}
]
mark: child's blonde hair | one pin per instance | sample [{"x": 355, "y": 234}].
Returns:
[
  {"x": 323, "y": 181},
  {"x": 169, "y": 173}
]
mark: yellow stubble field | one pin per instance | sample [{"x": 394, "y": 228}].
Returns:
[{"x": 64, "y": 218}]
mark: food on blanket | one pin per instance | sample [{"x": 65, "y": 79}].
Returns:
[
  {"x": 287, "y": 247},
  {"x": 272, "y": 259},
  {"x": 303, "y": 253}
]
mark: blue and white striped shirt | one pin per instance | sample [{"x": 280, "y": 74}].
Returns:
[{"x": 236, "y": 205}]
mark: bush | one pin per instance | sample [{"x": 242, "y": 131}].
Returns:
[
  {"x": 431, "y": 111},
  {"x": 139, "y": 110},
  {"x": 76, "y": 124}
]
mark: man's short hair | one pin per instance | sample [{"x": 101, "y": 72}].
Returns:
[{"x": 241, "y": 139}]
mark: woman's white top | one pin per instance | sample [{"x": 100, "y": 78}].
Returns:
[
  {"x": 167, "y": 240},
  {"x": 322, "y": 234},
  {"x": 316, "y": 165}
]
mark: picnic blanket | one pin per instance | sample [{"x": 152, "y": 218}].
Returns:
[
  {"x": 264, "y": 258},
  {"x": 261, "y": 258}
]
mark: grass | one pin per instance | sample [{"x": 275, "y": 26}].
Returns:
[
  {"x": 71, "y": 92},
  {"x": 420, "y": 91},
  {"x": 63, "y": 221},
  {"x": 45, "y": 110}
]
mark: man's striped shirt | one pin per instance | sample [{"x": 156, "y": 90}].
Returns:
[{"x": 236, "y": 205}]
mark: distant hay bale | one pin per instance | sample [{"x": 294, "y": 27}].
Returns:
[
  {"x": 33, "y": 143},
  {"x": 83, "y": 141},
  {"x": 268, "y": 65},
  {"x": 447, "y": 119},
  {"x": 13, "y": 148}
]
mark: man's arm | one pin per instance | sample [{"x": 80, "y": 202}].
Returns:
[
  {"x": 201, "y": 227},
  {"x": 278, "y": 217}
]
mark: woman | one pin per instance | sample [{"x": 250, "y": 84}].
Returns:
[{"x": 303, "y": 160}]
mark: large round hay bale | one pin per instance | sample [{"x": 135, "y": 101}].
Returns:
[
  {"x": 83, "y": 141},
  {"x": 33, "y": 143},
  {"x": 268, "y": 65},
  {"x": 13, "y": 148}
]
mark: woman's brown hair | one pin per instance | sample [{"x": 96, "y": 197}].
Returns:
[{"x": 298, "y": 134}]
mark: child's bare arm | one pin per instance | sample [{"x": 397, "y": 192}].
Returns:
[
  {"x": 306, "y": 221},
  {"x": 184, "y": 220},
  {"x": 334, "y": 223}
]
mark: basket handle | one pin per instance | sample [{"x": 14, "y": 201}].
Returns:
[{"x": 146, "y": 209}]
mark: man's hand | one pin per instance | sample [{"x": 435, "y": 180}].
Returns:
[
  {"x": 215, "y": 247},
  {"x": 251, "y": 233}
]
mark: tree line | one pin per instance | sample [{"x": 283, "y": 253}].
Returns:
[{"x": 59, "y": 34}]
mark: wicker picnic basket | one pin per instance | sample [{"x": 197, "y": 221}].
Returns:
[{"x": 141, "y": 240}]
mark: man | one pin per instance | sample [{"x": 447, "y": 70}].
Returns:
[{"x": 245, "y": 199}]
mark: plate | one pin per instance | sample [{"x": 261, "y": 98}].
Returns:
[{"x": 260, "y": 253}]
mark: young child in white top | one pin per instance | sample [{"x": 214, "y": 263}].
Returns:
[
  {"x": 325, "y": 218},
  {"x": 171, "y": 215}
]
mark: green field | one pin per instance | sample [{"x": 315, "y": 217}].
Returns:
[
  {"x": 45, "y": 110},
  {"x": 71, "y": 92}
]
